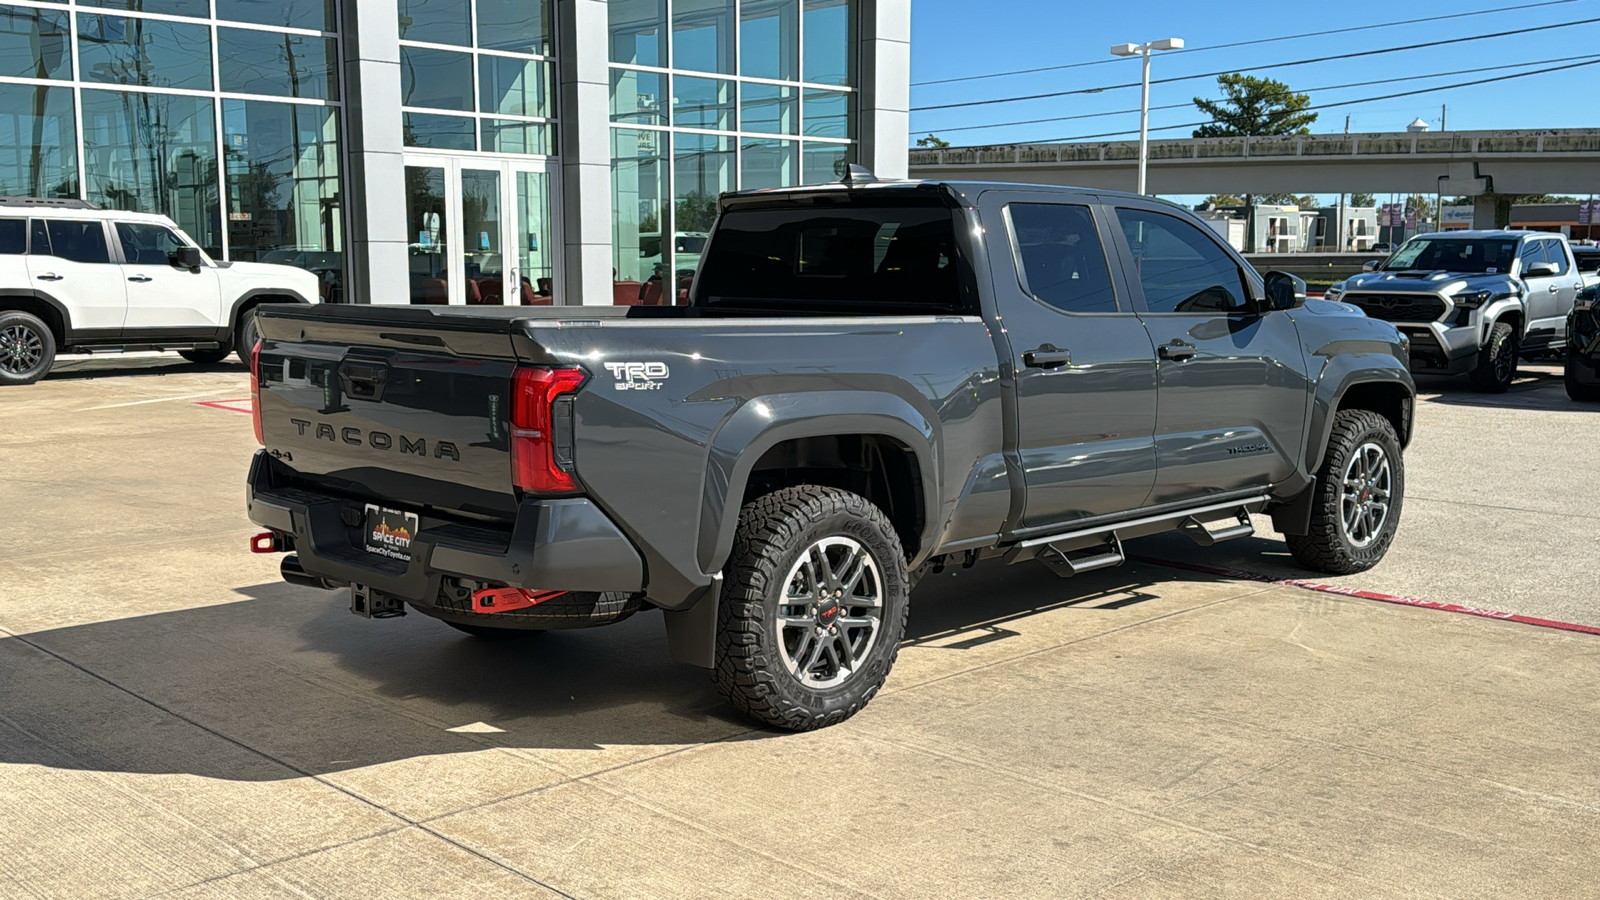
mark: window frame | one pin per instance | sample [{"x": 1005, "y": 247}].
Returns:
[
  {"x": 1249, "y": 279},
  {"x": 1119, "y": 291}
]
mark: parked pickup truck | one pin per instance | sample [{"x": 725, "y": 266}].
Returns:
[
  {"x": 1473, "y": 302},
  {"x": 871, "y": 380}
]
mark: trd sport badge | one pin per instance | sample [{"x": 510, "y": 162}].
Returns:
[{"x": 638, "y": 376}]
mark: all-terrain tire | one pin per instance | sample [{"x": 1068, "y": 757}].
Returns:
[
  {"x": 27, "y": 348},
  {"x": 245, "y": 335},
  {"x": 205, "y": 357},
  {"x": 774, "y": 532},
  {"x": 490, "y": 633},
  {"x": 1577, "y": 390},
  {"x": 1327, "y": 547},
  {"x": 1497, "y": 363}
]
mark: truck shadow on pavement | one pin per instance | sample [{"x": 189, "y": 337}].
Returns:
[
  {"x": 1538, "y": 386},
  {"x": 287, "y": 683}
]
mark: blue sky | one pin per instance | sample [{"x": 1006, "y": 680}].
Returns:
[{"x": 954, "y": 38}]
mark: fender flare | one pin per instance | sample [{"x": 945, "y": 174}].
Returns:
[
  {"x": 761, "y": 424},
  {"x": 247, "y": 296},
  {"x": 1343, "y": 372},
  {"x": 1496, "y": 310},
  {"x": 48, "y": 300}
]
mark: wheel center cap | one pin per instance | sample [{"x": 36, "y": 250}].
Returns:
[{"x": 827, "y": 612}]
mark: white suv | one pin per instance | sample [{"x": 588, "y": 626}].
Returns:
[{"x": 74, "y": 277}]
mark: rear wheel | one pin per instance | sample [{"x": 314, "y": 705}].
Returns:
[
  {"x": 1497, "y": 363},
  {"x": 245, "y": 335},
  {"x": 27, "y": 348},
  {"x": 204, "y": 357},
  {"x": 813, "y": 607},
  {"x": 1577, "y": 390},
  {"x": 1359, "y": 491}
]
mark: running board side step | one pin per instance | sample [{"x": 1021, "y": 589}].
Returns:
[
  {"x": 1207, "y": 535},
  {"x": 1067, "y": 564}
]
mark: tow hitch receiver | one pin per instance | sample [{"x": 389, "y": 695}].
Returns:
[
  {"x": 374, "y": 604},
  {"x": 271, "y": 542},
  {"x": 505, "y": 599}
]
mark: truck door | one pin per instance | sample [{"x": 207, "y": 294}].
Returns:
[
  {"x": 1550, "y": 297},
  {"x": 1233, "y": 390},
  {"x": 1085, "y": 370}
]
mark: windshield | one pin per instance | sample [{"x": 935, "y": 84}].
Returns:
[
  {"x": 1476, "y": 255},
  {"x": 691, "y": 243},
  {"x": 1588, "y": 260}
]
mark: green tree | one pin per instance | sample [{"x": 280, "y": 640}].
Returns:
[
  {"x": 695, "y": 211},
  {"x": 1363, "y": 200},
  {"x": 933, "y": 142},
  {"x": 1218, "y": 200},
  {"x": 1254, "y": 106}
]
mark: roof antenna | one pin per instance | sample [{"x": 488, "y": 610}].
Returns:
[{"x": 856, "y": 174}]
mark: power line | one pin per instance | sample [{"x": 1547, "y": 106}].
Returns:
[
  {"x": 1519, "y": 8},
  {"x": 1282, "y": 65},
  {"x": 1320, "y": 106},
  {"x": 1251, "y": 43},
  {"x": 1331, "y": 87}
]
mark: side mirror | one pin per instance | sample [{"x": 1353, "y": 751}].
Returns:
[
  {"x": 1284, "y": 291},
  {"x": 1540, "y": 270},
  {"x": 1371, "y": 265},
  {"x": 186, "y": 258}
]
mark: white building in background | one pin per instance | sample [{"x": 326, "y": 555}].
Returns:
[{"x": 450, "y": 151}]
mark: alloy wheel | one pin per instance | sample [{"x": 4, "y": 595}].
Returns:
[
  {"x": 831, "y": 612},
  {"x": 21, "y": 349},
  {"x": 1368, "y": 482}
]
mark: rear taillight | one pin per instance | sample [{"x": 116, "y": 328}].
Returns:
[
  {"x": 541, "y": 429},
  {"x": 255, "y": 389}
]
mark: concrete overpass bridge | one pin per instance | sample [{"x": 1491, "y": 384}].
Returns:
[{"x": 1477, "y": 164}]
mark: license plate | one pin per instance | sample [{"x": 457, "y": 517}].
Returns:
[{"x": 389, "y": 532}]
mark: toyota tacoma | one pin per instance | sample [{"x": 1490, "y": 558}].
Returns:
[{"x": 870, "y": 381}]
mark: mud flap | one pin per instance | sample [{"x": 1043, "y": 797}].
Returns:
[
  {"x": 1294, "y": 517},
  {"x": 692, "y": 632}
]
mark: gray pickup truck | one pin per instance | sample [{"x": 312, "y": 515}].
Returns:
[
  {"x": 1473, "y": 302},
  {"x": 871, "y": 380}
]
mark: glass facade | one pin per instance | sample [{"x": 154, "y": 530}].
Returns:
[
  {"x": 222, "y": 114},
  {"x": 715, "y": 95},
  {"x": 478, "y": 75}
]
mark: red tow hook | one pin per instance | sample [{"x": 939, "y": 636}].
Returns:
[
  {"x": 269, "y": 542},
  {"x": 505, "y": 599}
]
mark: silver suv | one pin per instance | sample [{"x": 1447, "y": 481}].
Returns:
[{"x": 1472, "y": 302}]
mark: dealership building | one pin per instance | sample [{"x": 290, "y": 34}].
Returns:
[{"x": 450, "y": 151}]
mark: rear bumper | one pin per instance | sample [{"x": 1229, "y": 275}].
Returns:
[{"x": 564, "y": 544}]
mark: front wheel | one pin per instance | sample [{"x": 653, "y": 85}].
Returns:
[
  {"x": 246, "y": 335},
  {"x": 1577, "y": 390},
  {"x": 27, "y": 348},
  {"x": 1497, "y": 363},
  {"x": 813, "y": 607},
  {"x": 1359, "y": 491}
]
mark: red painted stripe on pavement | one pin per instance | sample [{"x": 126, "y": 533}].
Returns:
[
  {"x": 223, "y": 404},
  {"x": 1321, "y": 587}
]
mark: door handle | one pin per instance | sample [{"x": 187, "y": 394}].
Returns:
[
  {"x": 140, "y": 278},
  {"x": 1176, "y": 350},
  {"x": 50, "y": 276},
  {"x": 1047, "y": 357},
  {"x": 1554, "y": 288}
]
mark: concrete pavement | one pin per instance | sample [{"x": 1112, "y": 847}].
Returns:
[{"x": 174, "y": 720}]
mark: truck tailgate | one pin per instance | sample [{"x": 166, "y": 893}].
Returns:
[{"x": 392, "y": 403}]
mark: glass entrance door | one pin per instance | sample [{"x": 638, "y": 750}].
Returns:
[{"x": 481, "y": 231}]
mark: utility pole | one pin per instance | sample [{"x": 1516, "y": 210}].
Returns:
[{"x": 1442, "y": 110}]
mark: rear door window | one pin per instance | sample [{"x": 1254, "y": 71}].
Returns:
[
  {"x": 849, "y": 258},
  {"x": 1063, "y": 262},
  {"x": 78, "y": 241}
]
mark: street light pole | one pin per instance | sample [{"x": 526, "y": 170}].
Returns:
[{"x": 1144, "y": 50}]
